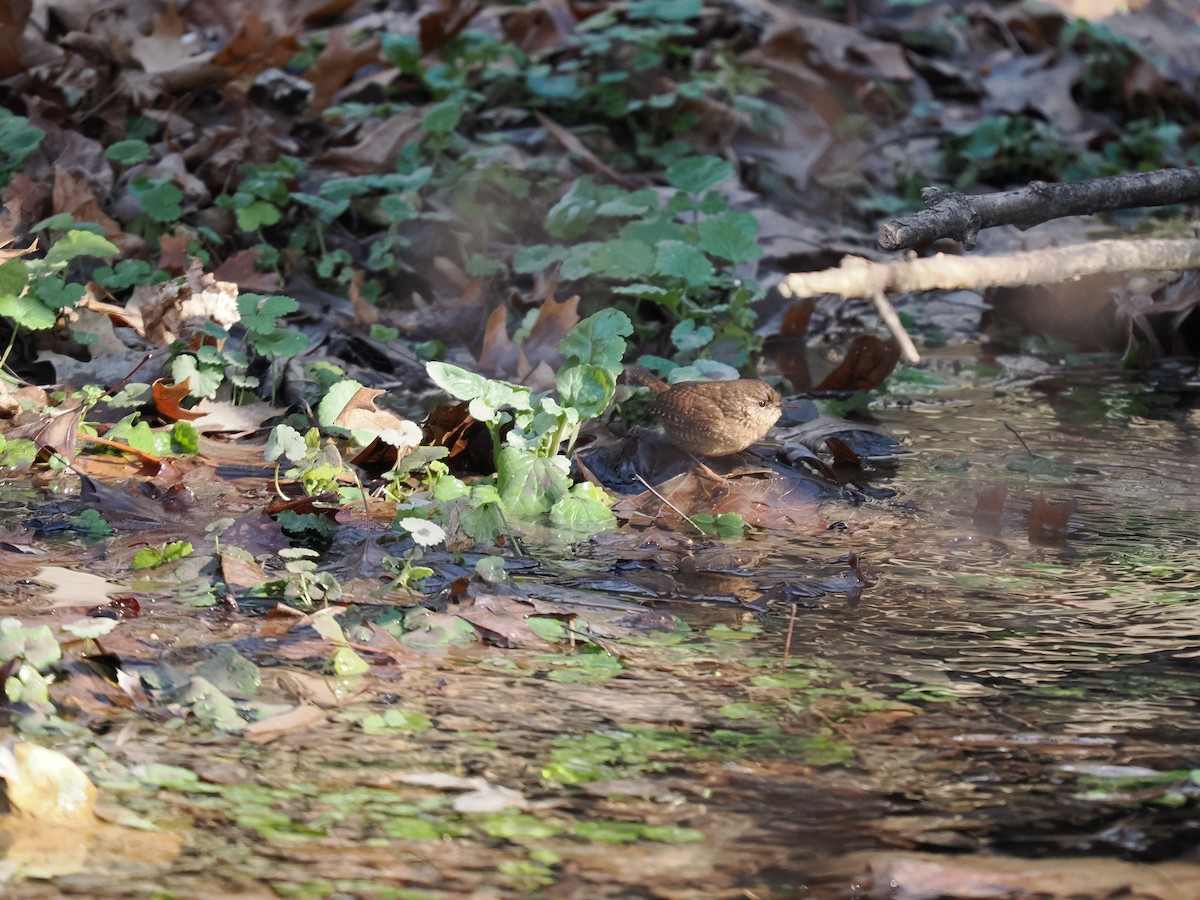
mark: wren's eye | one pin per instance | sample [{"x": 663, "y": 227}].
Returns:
[{"x": 762, "y": 403}]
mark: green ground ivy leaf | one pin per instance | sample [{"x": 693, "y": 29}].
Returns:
[
  {"x": 280, "y": 343},
  {"x": 627, "y": 205},
  {"x": 456, "y": 381},
  {"x": 447, "y": 487},
  {"x": 149, "y": 557},
  {"x": 599, "y": 340},
  {"x": 623, "y": 259},
  {"x": 655, "y": 230},
  {"x": 515, "y": 826},
  {"x": 676, "y": 259},
  {"x": 175, "y": 778},
  {"x": 529, "y": 485},
  {"x": 140, "y": 436},
  {"x": 553, "y": 87},
  {"x": 726, "y": 525},
  {"x": 746, "y": 632},
  {"x": 403, "y": 51},
  {"x": 697, "y": 174},
  {"x": 212, "y": 706},
  {"x": 587, "y": 667},
  {"x": 260, "y": 314},
  {"x": 327, "y": 210},
  {"x": 483, "y": 522},
  {"x": 610, "y": 831},
  {"x": 35, "y": 644},
  {"x": 665, "y": 10},
  {"x": 53, "y": 295},
  {"x": 729, "y": 237},
  {"x": 346, "y": 662},
  {"x": 257, "y": 214},
  {"x": 747, "y": 710},
  {"x": 548, "y": 628},
  {"x": 687, "y": 336},
  {"x": 587, "y": 388},
  {"x": 28, "y": 311},
  {"x": 644, "y": 291},
  {"x": 618, "y": 832},
  {"x": 185, "y": 439},
  {"x": 487, "y": 396},
  {"x": 92, "y": 524},
  {"x": 229, "y": 671},
  {"x": 410, "y": 828},
  {"x": 425, "y": 630},
  {"x": 570, "y": 217},
  {"x": 17, "y": 140},
  {"x": 126, "y": 274},
  {"x": 395, "y": 721},
  {"x": 576, "y": 265},
  {"x": 443, "y": 117},
  {"x": 285, "y": 442},
  {"x": 160, "y": 200},
  {"x": 78, "y": 243},
  {"x": 335, "y": 401},
  {"x": 582, "y": 510},
  {"x": 396, "y": 208},
  {"x": 17, "y": 453},
  {"x": 128, "y": 153},
  {"x": 537, "y": 258},
  {"x": 203, "y": 379},
  {"x": 13, "y": 276},
  {"x": 56, "y": 222}
]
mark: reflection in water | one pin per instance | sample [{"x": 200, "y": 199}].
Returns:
[{"x": 1098, "y": 634}]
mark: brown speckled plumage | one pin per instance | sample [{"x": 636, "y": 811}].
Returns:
[{"x": 713, "y": 418}]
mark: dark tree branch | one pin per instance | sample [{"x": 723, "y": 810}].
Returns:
[{"x": 959, "y": 216}]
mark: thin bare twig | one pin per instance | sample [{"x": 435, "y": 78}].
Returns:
[{"x": 667, "y": 502}]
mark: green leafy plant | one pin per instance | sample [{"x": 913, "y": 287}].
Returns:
[
  {"x": 304, "y": 582},
  {"x": 263, "y": 194},
  {"x": 679, "y": 255},
  {"x": 530, "y": 432},
  {"x": 1005, "y": 149},
  {"x": 1109, "y": 58},
  {"x": 34, "y": 291},
  {"x": 316, "y": 464},
  {"x": 181, "y": 439},
  {"x": 17, "y": 140},
  {"x": 149, "y": 557},
  {"x": 25, "y": 653},
  {"x": 222, "y": 361},
  {"x": 1142, "y": 145}
]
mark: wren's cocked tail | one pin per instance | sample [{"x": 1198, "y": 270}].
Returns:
[{"x": 712, "y": 418}]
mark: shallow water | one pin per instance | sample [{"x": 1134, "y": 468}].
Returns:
[{"x": 988, "y": 694}]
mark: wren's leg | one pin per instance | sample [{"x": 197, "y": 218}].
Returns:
[{"x": 703, "y": 470}]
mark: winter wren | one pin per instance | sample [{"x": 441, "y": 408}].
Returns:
[{"x": 713, "y": 418}]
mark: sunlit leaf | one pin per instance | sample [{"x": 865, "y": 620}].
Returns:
[
  {"x": 285, "y": 442},
  {"x": 599, "y": 340},
  {"x": 529, "y": 484},
  {"x": 149, "y": 557},
  {"x": 395, "y": 721},
  {"x": 79, "y": 243}
]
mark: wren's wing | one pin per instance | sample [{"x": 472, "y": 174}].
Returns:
[{"x": 646, "y": 377}]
